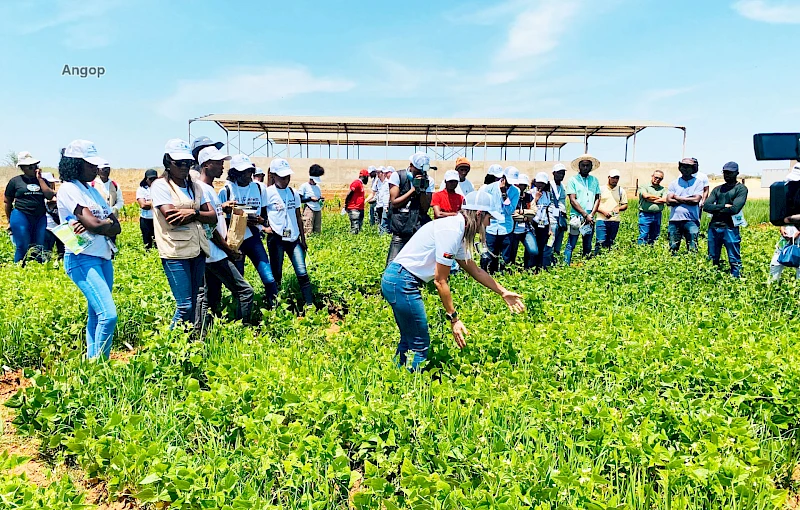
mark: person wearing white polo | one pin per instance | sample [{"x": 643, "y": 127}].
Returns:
[
  {"x": 284, "y": 235},
  {"x": 311, "y": 197},
  {"x": 220, "y": 269},
  {"x": 429, "y": 255}
]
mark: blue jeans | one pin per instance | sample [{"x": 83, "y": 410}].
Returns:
[
  {"x": 649, "y": 227},
  {"x": 27, "y": 232},
  {"x": 185, "y": 277},
  {"x": 606, "y": 234},
  {"x": 499, "y": 247},
  {"x": 402, "y": 290},
  {"x": 732, "y": 241},
  {"x": 684, "y": 229},
  {"x": 94, "y": 277},
  {"x": 549, "y": 252},
  {"x": 253, "y": 249},
  {"x": 572, "y": 242},
  {"x": 297, "y": 256},
  {"x": 528, "y": 240}
]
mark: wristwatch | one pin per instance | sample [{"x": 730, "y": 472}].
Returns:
[{"x": 452, "y": 317}]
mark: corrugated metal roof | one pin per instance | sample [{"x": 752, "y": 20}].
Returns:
[{"x": 422, "y": 140}]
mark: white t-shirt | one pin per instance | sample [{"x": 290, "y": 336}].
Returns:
[
  {"x": 159, "y": 193},
  {"x": 383, "y": 195},
  {"x": 250, "y": 195},
  {"x": 703, "y": 178},
  {"x": 210, "y": 195},
  {"x": 439, "y": 241},
  {"x": 281, "y": 207},
  {"x": 74, "y": 193},
  {"x": 144, "y": 193},
  {"x": 308, "y": 190},
  {"x": 464, "y": 187}
]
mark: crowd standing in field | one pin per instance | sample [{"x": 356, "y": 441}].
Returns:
[{"x": 189, "y": 222}]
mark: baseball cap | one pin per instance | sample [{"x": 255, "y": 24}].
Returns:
[
  {"x": 482, "y": 201},
  {"x": 688, "y": 161},
  {"x": 389, "y": 169},
  {"x": 495, "y": 170},
  {"x": 241, "y": 162},
  {"x": 371, "y": 169},
  {"x": 203, "y": 141},
  {"x": 364, "y": 172},
  {"x": 25, "y": 158},
  {"x": 211, "y": 154},
  {"x": 462, "y": 161},
  {"x": 178, "y": 149},
  {"x": 317, "y": 180},
  {"x": 420, "y": 161},
  {"x": 104, "y": 164},
  {"x": 730, "y": 166},
  {"x": 524, "y": 179},
  {"x": 542, "y": 177},
  {"x": 280, "y": 167},
  {"x": 794, "y": 174},
  {"x": 512, "y": 174},
  {"x": 559, "y": 167},
  {"x": 150, "y": 174},
  {"x": 258, "y": 171},
  {"x": 85, "y": 150},
  {"x": 451, "y": 175},
  {"x": 380, "y": 169},
  {"x": 613, "y": 172},
  {"x": 49, "y": 177}
]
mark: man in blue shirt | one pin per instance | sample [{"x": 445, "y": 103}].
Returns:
[
  {"x": 583, "y": 191},
  {"x": 683, "y": 198},
  {"x": 498, "y": 233}
]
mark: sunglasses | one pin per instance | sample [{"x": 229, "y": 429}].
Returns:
[
  {"x": 183, "y": 163},
  {"x": 658, "y": 179}
]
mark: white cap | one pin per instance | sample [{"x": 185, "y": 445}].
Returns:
[
  {"x": 512, "y": 174},
  {"x": 241, "y": 162},
  {"x": 524, "y": 179},
  {"x": 451, "y": 175},
  {"x": 280, "y": 167},
  {"x": 178, "y": 149},
  {"x": 25, "y": 158},
  {"x": 495, "y": 170},
  {"x": 794, "y": 174},
  {"x": 85, "y": 150},
  {"x": 211, "y": 154},
  {"x": 420, "y": 161},
  {"x": 317, "y": 180},
  {"x": 559, "y": 167},
  {"x": 389, "y": 169},
  {"x": 482, "y": 201},
  {"x": 47, "y": 176},
  {"x": 258, "y": 171},
  {"x": 380, "y": 169},
  {"x": 542, "y": 177},
  {"x": 371, "y": 169},
  {"x": 613, "y": 172},
  {"x": 104, "y": 164}
]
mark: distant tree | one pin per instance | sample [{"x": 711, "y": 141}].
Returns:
[{"x": 10, "y": 159}]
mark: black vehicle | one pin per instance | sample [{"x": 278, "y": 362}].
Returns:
[{"x": 784, "y": 197}]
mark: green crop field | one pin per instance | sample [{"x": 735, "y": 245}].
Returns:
[{"x": 635, "y": 380}]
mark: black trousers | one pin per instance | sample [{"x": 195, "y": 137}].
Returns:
[
  {"x": 148, "y": 232},
  {"x": 397, "y": 244},
  {"x": 209, "y": 298}
]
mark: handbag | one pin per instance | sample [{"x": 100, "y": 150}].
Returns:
[{"x": 789, "y": 255}]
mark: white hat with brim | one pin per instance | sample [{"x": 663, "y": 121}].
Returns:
[
  {"x": 211, "y": 153},
  {"x": 280, "y": 167},
  {"x": 47, "y": 176},
  {"x": 512, "y": 175},
  {"x": 794, "y": 174},
  {"x": 559, "y": 167},
  {"x": 241, "y": 163},
  {"x": 178, "y": 149},
  {"x": 25, "y": 158},
  {"x": 259, "y": 171},
  {"x": 496, "y": 170},
  {"x": 85, "y": 150},
  {"x": 317, "y": 180},
  {"x": 451, "y": 175},
  {"x": 524, "y": 179},
  {"x": 104, "y": 164},
  {"x": 613, "y": 173},
  {"x": 482, "y": 201},
  {"x": 585, "y": 157},
  {"x": 541, "y": 177}
]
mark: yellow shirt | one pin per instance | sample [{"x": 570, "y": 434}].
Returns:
[{"x": 610, "y": 199}]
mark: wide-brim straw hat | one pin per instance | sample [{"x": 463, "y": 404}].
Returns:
[{"x": 589, "y": 157}]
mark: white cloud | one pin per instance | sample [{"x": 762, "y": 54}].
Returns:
[
  {"x": 768, "y": 11},
  {"x": 538, "y": 29},
  {"x": 84, "y": 22},
  {"x": 246, "y": 88}
]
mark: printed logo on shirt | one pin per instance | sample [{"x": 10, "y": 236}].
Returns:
[
  {"x": 448, "y": 256},
  {"x": 34, "y": 188}
]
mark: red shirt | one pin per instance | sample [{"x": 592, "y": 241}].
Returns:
[
  {"x": 447, "y": 201},
  {"x": 356, "y": 201}
]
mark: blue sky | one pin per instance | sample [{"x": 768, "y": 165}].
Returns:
[{"x": 724, "y": 68}]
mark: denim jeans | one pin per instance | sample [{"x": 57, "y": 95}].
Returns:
[
  {"x": 684, "y": 229},
  {"x": 223, "y": 272},
  {"x": 297, "y": 256},
  {"x": 148, "y": 232},
  {"x": 356, "y": 220},
  {"x": 402, "y": 291},
  {"x": 649, "y": 227},
  {"x": 732, "y": 241},
  {"x": 528, "y": 241},
  {"x": 550, "y": 254},
  {"x": 185, "y": 277},
  {"x": 498, "y": 247},
  {"x": 606, "y": 234},
  {"x": 253, "y": 249},
  {"x": 94, "y": 276},
  {"x": 27, "y": 232},
  {"x": 572, "y": 242},
  {"x": 395, "y": 246}
]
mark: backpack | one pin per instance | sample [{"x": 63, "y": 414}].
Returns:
[{"x": 406, "y": 223}]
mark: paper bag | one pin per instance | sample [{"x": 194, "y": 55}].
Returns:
[{"x": 237, "y": 229}]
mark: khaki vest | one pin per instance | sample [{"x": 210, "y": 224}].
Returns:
[
  {"x": 183, "y": 241},
  {"x": 110, "y": 197}
]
